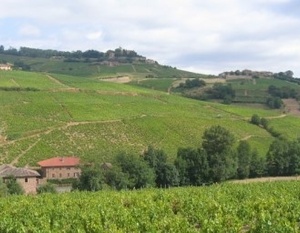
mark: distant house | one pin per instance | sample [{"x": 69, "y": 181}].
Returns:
[
  {"x": 5, "y": 66},
  {"x": 60, "y": 168},
  {"x": 27, "y": 178}
]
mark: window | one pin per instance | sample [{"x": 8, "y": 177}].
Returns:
[
  {"x": 53, "y": 175},
  {"x": 68, "y": 174},
  {"x": 26, "y": 180},
  {"x": 59, "y": 174}
]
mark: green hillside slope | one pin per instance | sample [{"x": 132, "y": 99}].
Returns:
[{"x": 65, "y": 115}]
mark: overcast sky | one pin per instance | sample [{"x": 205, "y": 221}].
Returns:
[{"x": 207, "y": 36}]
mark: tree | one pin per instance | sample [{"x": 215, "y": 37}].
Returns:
[
  {"x": 222, "y": 161},
  {"x": 278, "y": 158},
  {"x": 192, "y": 166},
  {"x": 255, "y": 119},
  {"x": 257, "y": 165},
  {"x": 91, "y": 179},
  {"x": 166, "y": 173},
  {"x": 294, "y": 157},
  {"x": 264, "y": 123},
  {"x": 244, "y": 159},
  {"x": 116, "y": 179},
  {"x": 13, "y": 186},
  {"x": 139, "y": 173},
  {"x": 217, "y": 139},
  {"x": 274, "y": 102}
]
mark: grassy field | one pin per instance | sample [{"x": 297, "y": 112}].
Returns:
[
  {"x": 256, "y": 207},
  {"x": 94, "y": 120}
]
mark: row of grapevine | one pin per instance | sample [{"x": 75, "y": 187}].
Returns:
[{"x": 259, "y": 207}]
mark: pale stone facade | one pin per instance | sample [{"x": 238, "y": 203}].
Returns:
[
  {"x": 60, "y": 172},
  {"x": 5, "y": 67}
]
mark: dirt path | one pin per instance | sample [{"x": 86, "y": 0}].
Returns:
[
  {"x": 133, "y": 68},
  {"x": 123, "y": 79},
  {"x": 276, "y": 117},
  {"x": 266, "y": 179},
  {"x": 246, "y": 138},
  {"x": 16, "y": 160},
  {"x": 49, "y": 130},
  {"x": 14, "y": 81},
  {"x": 56, "y": 81}
]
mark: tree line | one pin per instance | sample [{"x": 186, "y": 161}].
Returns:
[
  {"x": 69, "y": 56},
  {"x": 219, "y": 158}
]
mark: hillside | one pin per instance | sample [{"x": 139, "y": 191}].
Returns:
[
  {"x": 90, "y": 63},
  {"x": 45, "y": 115}
]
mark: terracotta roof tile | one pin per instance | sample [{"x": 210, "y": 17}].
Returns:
[{"x": 60, "y": 162}]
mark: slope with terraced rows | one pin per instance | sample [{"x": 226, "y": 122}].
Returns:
[{"x": 45, "y": 115}]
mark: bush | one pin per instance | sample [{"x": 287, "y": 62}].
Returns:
[
  {"x": 14, "y": 187},
  {"x": 255, "y": 119},
  {"x": 46, "y": 188}
]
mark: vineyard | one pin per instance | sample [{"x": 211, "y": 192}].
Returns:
[
  {"x": 93, "y": 119},
  {"x": 256, "y": 207}
]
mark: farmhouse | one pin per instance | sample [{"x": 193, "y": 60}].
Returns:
[
  {"x": 60, "y": 168},
  {"x": 27, "y": 178},
  {"x": 5, "y": 67}
]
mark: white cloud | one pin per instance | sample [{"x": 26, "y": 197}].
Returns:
[
  {"x": 205, "y": 35},
  {"x": 94, "y": 35},
  {"x": 29, "y": 30}
]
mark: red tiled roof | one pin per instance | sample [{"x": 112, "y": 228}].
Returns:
[{"x": 60, "y": 162}]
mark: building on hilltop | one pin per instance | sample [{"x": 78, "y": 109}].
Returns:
[
  {"x": 6, "y": 66},
  {"x": 27, "y": 178},
  {"x": 60, "y": 168}
]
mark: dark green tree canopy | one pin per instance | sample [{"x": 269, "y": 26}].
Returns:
[{"x": 217, "y": 139}]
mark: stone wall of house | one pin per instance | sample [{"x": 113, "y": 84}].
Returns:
[
  {"x": 29, "y": 184},
  {"x": 61, "y": 172}
]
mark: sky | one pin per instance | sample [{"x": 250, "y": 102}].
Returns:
[{"x": 205, "y": 36}]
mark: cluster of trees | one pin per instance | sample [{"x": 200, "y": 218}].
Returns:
[
  {"x": 283, "y": 158},
  {"x": 69, "y": 56},
  {"x": 274, "y": 102},
  {"x": 287, "y": 76},
  {"x": 192, "y": 83},
  {"x": 216, "y": 160},
  {"x": 263, "y": 122},
  {"x": 282, "y": 92},
  {"x": 220, "y": 91},
  {"x": 277, "y": 93}
]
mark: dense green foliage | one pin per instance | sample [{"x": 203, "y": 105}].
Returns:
[
  {"x": 191, "y": 83},
  {"x": 46, "y": 188},
  {"x": 259, "y": 207},
  {"x": 13, "y": 187}
]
